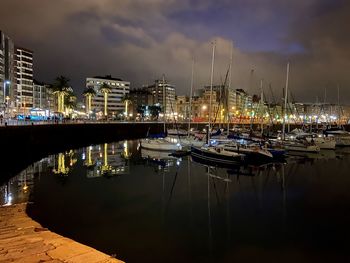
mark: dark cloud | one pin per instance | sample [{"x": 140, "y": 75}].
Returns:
[{"x": 140, "y": 40}]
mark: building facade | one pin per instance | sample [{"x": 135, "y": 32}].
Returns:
[
  {"x": 138, "y": 98},
  {"x": 183, "y": 107},
  {"x": 24, "y": 78},
  {"x": 119, "y": 89},
  {"x": 156, "y": 90},
  {"x": 43, "y": 97},
  {"x": 7, "y": 76}
]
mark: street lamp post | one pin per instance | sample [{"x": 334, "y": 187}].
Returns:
[{"x": 6, "y": 82}]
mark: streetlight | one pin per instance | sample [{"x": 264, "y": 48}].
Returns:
[{"x": 6, "y": 82}]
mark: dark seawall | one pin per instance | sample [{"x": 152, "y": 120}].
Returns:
[{"x": 24, "y": 145}]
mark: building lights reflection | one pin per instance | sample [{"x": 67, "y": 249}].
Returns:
[{"x": 60, "y": 168}]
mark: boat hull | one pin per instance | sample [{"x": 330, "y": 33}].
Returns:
[
  {"x": 159, "y": 145},
  {"x": 214, "y": 158},
  {"x": 302, "y": 148}
]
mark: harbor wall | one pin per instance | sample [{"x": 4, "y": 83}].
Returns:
[{"x": 24, "y": 145}]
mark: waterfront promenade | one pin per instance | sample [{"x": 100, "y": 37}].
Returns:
[{"x": 24, "y": 240}]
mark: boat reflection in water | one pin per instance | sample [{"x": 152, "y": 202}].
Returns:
[{"x": 147, "y": 206}]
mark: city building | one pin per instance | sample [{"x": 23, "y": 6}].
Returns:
[
  {"x": 24, "y": 76},
  {"x": 183, "y": 107},
  {"x": 43, "y": 97},
  {"x": 139, "y": 98},
  {"x": 156, "y": 89},
  {"x": 7, "y": 76},
  {"x": 119, "y": 89}
]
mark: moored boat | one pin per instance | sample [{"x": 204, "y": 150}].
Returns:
[
  {"x": 159, "y": 145},
  {"x": 216, "y": 155}
]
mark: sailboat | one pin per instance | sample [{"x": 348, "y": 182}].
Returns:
[
  {"x": 294, "y": 145},
  {"x": 191, "y": 140},
  {"x": 209, "y": 153},
  {"x": 323, "y": 142},
  {"x": 342, "y": 137},
  {"x": 161, "y": 144}
]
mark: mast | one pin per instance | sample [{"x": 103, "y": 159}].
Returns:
[
  {"x": 164, "y": 105},
  {"x": 251, "y": 103},
  {"x": 211, "y": 88},
  {"x": 338, "y": 106},
  {"x": 229, "y": 89},
  {"x": 285, "y": 104},
  {"x": 262, "y": 106},
  {"x": 191, "y": 94}
]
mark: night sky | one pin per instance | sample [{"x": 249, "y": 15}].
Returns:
[{"x": 139, "y": 40}]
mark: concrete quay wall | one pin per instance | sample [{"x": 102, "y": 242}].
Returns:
[{"x": 22, "y": 145}]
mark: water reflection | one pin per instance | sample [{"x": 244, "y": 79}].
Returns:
[
  {"x": 108, "y": 159},
  {"x": 191, "y": 211}
]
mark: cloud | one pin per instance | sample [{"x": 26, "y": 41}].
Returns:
[{"x": 139, "y": 40}]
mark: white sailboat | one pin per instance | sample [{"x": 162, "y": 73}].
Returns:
[
  {"x": 294, "y": 145},
  {"x": 214, "y": 154},
  {"x": 324, "y": 142},
  {"x": 161, "y": 144},
  {"x": 190, "y": 140},
  {"x": 342, "y": 137}
]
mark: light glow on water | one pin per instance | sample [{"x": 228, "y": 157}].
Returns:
[{"x": 148, "y": 206}]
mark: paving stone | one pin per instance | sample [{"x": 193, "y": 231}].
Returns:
[{"x": 24, "y": 240}]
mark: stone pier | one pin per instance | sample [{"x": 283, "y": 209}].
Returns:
[{"x": 24, "y": 240}]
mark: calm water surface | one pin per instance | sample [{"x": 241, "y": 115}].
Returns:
[{"x": 141, "y": 207}]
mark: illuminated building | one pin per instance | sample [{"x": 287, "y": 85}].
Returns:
[
  {"x": 7, "y": 76},
  {"x": 118, "y": 90},
  {"x": 156, "y": 90},
  {"x": 24, "y": 77}
]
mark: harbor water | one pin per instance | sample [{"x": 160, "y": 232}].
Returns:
[{"x": 146, "y": 206}]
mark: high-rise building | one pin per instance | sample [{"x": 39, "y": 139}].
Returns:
[
  {"x": 42, "y": 96},
  {"x": 7, "y": 76},
  {"x": 139, "y": 97},
  {"x": 118, "y": 90},
  {"x": 24, "y": 77},
  {"x": 156, "y": 89}
]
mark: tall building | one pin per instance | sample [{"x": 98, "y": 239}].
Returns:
[
  {"x": 119, "y": 89},
  {"x": 156, "y": 89},
  {"x": 42, "y": 96},
  {"x": 7, "y": 76},
  {"x": 183, "y": 107},
  {"x": 24, "y": 76},
  {"x": 139, "y": 97}
]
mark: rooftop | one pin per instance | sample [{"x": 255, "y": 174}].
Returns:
[{"x": 108, "y": 77}]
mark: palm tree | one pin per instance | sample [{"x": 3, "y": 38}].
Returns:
[
  {"x": 70, "y": 100},
  {"x": 105, "y": 89},
  {"x": 89, "y": 93},
  {"x": 126, "y": 99},
  {"x": 61, "y": 88}
]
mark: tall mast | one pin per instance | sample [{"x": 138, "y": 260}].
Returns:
[
  {"x": 251, "y": 103},
  {"x": 191, "y": 94},
  {"x": 262, "y": 105},
  {"x": 164, "y": 105},
  {"x": 285, "y": 104},
  {"x": 211, "y": 87},
  {"x": 338, "y": 106},
  {"x": 229, "y": 90}
]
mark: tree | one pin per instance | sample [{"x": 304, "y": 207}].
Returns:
[
  {"x": 70, "y": 100},
  {"x": 154, "y": 111},
  {"x": 89, "y": 93},
  {"x": 127, "y": 100},
  {"x": 61, "y": 88},
  {"x": 105, "y": 89}
]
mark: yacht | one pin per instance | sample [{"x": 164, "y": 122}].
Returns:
[{"x": 160, "y": 144}]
